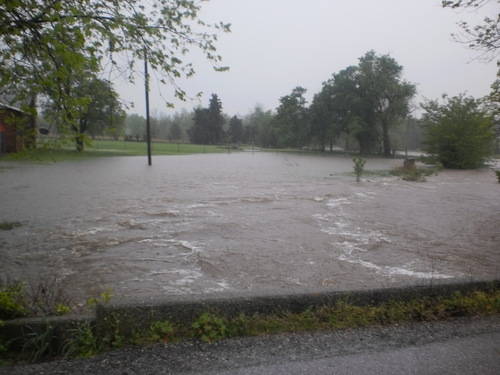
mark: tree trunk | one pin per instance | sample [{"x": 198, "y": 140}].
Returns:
[
  {"x": 79, "y": 143},
  {"x": 386, "y": 139},
  {"x": 79, "y": 135},
  {"x": 30, "y": 140}
]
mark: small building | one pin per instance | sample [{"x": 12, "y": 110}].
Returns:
[{"x": 16, "y": 129}]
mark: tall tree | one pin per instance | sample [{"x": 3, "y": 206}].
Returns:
[
  {"x": 258, "y": 129},
  {"x": 236, "y": 129},
  {"x": 335, "y": 109},
  {"x": 385, "y": 94},
  {"x": 175, "y": 132},
  {"x": 292, "y": 120},
  {"x": 364, "y": 101},
  {"x": 215, "y": 121},
  {"x": 43, "y": 43},
  {"x": 198, "y": 133}
]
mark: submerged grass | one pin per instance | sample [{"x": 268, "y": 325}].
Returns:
[
  {"x": 9, "y": 225},
  {"x": 417, "y": 174},
  {"x": 212, "y": 326}
]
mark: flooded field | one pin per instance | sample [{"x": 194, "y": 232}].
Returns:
[{"x": 243, "y": 221}]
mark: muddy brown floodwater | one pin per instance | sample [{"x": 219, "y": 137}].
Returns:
[{"x": 243, "y": 221}]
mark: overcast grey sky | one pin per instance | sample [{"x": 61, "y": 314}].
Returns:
[{"x": 276, "y": 45}]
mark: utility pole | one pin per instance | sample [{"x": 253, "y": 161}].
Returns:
[{"x": 146, "y": 86}]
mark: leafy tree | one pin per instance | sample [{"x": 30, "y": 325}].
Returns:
[
  {"x": 236, "y": 129},
  {"x": 364, "y": 101},
  {"x": 99, "y": 110},
  {"x": 336, "y": 108},
  {"x": 135, "y": 126},
  {"x": 384, "y": 94},
  {"x": 175, "y": 132},
  {"x": 258, "y": 128},
  {"x": 44, "y": 44},
  {"x": 484, "y": 37},
  {"x": 459, "y": 133},
  {"x": 184, "y": 119},
  {"x": 291, "y": 120}
]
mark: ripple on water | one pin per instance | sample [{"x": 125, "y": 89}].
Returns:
[{"x": 353, "y": 240}]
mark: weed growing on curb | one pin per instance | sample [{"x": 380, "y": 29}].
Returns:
[
  {"x": 82, "y": 343},
  {"x": 103, "y": 298},
  {"x": 209, "y": 327},
  {"x": 39, "y": 345},
  {"x": 161, "y": 331}
]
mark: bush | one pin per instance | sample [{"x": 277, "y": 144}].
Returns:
[
  {"x": 359, "y": 165},
  {"x": 459, "y": 133}
]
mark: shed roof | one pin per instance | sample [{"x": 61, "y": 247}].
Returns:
[{"x": 6, "y": 106}]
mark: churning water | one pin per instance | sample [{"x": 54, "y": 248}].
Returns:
[{"x": 243, "y": 221}]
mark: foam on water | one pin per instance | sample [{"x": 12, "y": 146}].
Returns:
[
  {"x": 352, "y": 240},
  {"x": 336, "y": 202}
]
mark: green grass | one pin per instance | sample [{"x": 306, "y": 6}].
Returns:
[
  {"x": 109, "y": 148},
  {"x": 158, "y": 148}
]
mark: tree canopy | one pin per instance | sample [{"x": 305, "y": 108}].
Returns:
[
  {"x": 364, "y": 101},
  {"x": 292, "y": 119},
  {"x": 459, "y": 132},
  {"x": 484, "y": 37},
  {"x": 44, "y": 44}
]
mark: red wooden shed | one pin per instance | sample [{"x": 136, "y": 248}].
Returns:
[{"x": 16, "y": 130}]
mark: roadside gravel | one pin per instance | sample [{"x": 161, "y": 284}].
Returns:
[{"x": 193, "y": 356}]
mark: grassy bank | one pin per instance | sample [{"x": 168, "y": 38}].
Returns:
[{"x": 101, "y": 148}]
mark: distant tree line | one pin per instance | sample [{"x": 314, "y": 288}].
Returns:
[{"x": 364, "y": 107}]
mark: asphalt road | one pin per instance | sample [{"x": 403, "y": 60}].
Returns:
[{"x": 460, "y": 346}]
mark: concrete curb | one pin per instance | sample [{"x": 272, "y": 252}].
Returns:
[
  {"x": 137, "y": 315},
  {"x": 130, "y": 317}
]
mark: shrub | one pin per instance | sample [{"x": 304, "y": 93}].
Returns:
[
  {"x": 459, "y": 133},
  {"x": 414, "y": 174},
  {"x": 359, "y": 165}
]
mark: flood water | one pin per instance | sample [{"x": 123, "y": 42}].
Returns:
[{"x": 243, "y": 221}]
